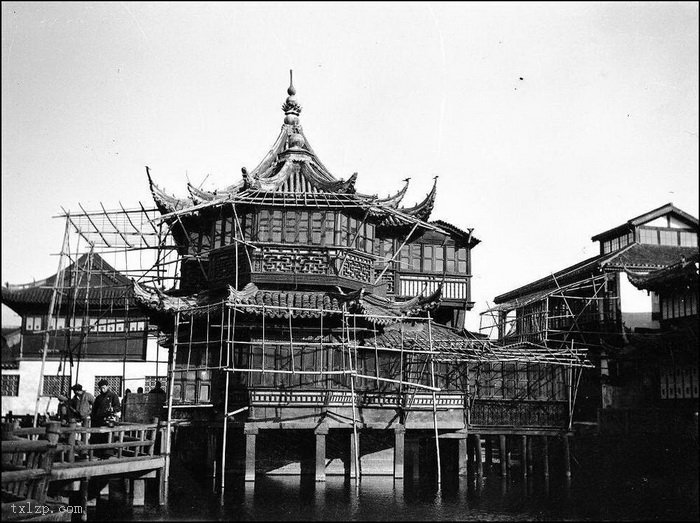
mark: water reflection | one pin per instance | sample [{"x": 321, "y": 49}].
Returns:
[{"x": 588, "y": 496}]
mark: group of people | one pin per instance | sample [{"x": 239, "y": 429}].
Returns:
[{"x": 103, "y": 410}]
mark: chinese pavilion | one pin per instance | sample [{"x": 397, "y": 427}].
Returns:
[{"x": 303, "y": 304}]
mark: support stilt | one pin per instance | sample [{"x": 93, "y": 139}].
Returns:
[
  {"x": 399, "y": 450},
  {"x": 504, "y": 458},
  {"x": 139, "y": 490},
  {"x": 545, "y": 457},
  {"x": 251, "y": 432},
  {"x": 488, "y": 441},
  {"x": 320, "y": 435},
  {"x": 523, "y": 455},
  {"x": 354, "y": 451},
  {"x": 462, "y": 457},
  {"x": 477, "y": 456},
  {"x": 567, "y": 455}
]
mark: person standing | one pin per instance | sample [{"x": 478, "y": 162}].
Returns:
[
  {"x": 104, "y": 410},
  {"x": 106, "y": 405},
  {"x": 81, "y": 403}
]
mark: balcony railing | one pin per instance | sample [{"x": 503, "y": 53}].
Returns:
[
  {"x": 517, "y": 413},
  {"x": 454, "y": 288}
]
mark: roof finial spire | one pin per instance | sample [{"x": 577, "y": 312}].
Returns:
[
  {"x": 291, "y": 91},
  {"x": 291, "y": 107}
]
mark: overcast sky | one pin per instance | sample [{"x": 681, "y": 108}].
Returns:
[{"x": 546, "y": 123}]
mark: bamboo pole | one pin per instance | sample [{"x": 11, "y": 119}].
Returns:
[
  {"x": 171, "y": 388},
  {"x": 435, "y": 422},
  {"x": 52, "y": 301},
  {"x": 354, "y": 400}
]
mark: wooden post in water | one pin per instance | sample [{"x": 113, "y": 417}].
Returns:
[
  {"x": 489, "y": 451},
  {"x": 414, "y": 453},
  {"x": 354, "y": 451},
  {"x": 523, "y": 455},
  {"x": 477, "y": 456},
  {"x": 504, "y": 458},
  {"x": 251, "y": 432},
  {"x": 545, "y": 451},
  {"x": 567, "y": 455},
  {"x": 399, "y": 450},
  {"x": 320, "y": 435},
  {"x": 83, "y": 499}
]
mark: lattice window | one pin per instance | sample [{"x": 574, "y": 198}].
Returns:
[
  {"x": 114, "y": 382},
  {"x": 10, "y": 384},
  {"x": 55, "y": 385},
  {"x": 150, "y": 383}
]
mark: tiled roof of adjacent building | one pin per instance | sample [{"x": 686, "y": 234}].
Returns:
[
  {"x": 646, "y": 217},
  {"x": 634, "y": 256},
  {"x": 682, "y": 274},
  {"x": 89, "y": 279}
]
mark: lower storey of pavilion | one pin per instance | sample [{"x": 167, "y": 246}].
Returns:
[{"x": 280, "y": 436}]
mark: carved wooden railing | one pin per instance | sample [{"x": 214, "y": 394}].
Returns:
[
  {"x": 26, "y": 469},
  {"x": 519, "y": 413},
  {"x": 453, "y": 288},
  {"x": 336, "y": 398},
  {"x": 124, "y": 440}
]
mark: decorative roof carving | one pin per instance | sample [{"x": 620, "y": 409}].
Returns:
[
  {"x": 423, "y": 209},
  {"x": 279, "y": 303},
  {"x": 291, "y": 167},
  {"x": 166, "y": 203}
]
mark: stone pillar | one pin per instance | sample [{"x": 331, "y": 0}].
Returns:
[
  {"x": 354, "y": 459},
  {"x": 477, "y": 455},
  {"x": 399, "y": 450},
  {"x": 251, "y": 432},
  {"x": 139, "y": 490},
  {"x": 462, "y": 457},
  {"x": 503, "y": 456},
  {"x": 321, "y": 432}
]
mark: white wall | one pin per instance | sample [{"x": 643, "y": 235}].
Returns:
[
  {"x": 29, "y": 370},
  {"x": 636, "y": 306}
]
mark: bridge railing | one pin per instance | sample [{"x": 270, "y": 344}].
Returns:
[
  {"x": 26, "y": 469},
  {"x": 75, "y": 443}
]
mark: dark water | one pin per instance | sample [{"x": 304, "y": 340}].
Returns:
[{"x": 602, "y": 493}]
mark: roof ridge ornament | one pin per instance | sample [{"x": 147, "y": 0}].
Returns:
[{"x": 291, "y": 107}]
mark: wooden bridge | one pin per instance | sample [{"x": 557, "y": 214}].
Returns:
[{"x": 66, "y": 458}]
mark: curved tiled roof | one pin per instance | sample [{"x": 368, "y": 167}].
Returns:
[
  {"x": 90, "y": 279},
  {"x": 683, "y": 274},
  {"x": 283, "y": 304},
  {"x": 292, "y": 169}
]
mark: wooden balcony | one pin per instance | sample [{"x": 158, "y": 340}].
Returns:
[{"x": 455, "y": 288}]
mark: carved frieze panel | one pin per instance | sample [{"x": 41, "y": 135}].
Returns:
[{"x": 297, "y": 260}]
